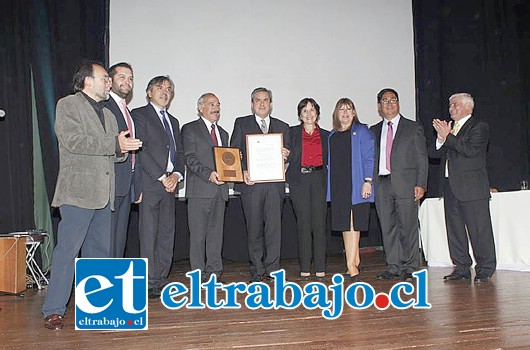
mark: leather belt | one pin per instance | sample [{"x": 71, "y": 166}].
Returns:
[
  {"x": 387, "y": 176},
  {"x": 310, "y": 169}
]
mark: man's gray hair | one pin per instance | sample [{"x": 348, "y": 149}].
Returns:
[
  {"x": 466, "y": 98},
  {"x": 260, "y": 89}
]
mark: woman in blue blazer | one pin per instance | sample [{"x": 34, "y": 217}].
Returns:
[{"x": 351, "y": 167}]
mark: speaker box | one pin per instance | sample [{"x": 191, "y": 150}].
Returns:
[{"x": 12, "y": 264}]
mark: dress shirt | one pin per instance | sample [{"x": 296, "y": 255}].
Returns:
[
  {"x": 382, "y": 151},
  {"x": 311, "y": 148},
  {"x": 267, "y": 121},
  {"x": 209, "y": 128},
  {"x": 170, "y": 166},
  {"x": 118, "y": 99}
]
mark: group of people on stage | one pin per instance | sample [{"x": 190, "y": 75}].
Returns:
[{"x": 111, "y": 157}]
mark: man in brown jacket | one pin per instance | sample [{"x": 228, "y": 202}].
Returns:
[{"x": 89, "y": 144}]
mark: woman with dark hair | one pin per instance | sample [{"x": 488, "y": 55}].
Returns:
[
  {"x": 307, "y": 174},
  {"x": 351, "y": 167}
]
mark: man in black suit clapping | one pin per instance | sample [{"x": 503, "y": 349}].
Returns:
[{"x": 462, "y": 148}]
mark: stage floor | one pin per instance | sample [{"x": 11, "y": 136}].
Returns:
[{"x": 495, "y": 315}]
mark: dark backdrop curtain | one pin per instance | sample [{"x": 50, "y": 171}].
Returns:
[
  {"x": 480, "y": 47},
  {"x": 45, "y": 39},
  {"x": 16, "y": 176}
]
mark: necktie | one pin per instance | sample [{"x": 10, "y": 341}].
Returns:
[
  {"x": 456, "y": 129},
  {"x": 129, "y": 122},
  {"x": 172, "y": 148},
  {"x": 264, "y": 126},
  {"x": 214, "y": 136},
  {"x": 389, "y": 141}
]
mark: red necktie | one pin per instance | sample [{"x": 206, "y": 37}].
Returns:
[
  {"x": 214, "y": 136},
  {"x": 129, "y": 122},
  {"x": 389, "y": 141}
]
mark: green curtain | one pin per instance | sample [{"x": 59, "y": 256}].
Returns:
[{"x": 41, "y": 205}]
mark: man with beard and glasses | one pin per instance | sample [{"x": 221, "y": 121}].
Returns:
[{"x": 89, "y": 144}]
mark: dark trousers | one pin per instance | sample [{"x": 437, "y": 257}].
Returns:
[
  {"x": 308, "y": 196},
  {"x": 262, "y": 208},
  {"x": 475, "y": 215},
  {"x": 205, "y": 220},
  {"x": 120, "y": 225},
  {"x": 157, "y": 235},
  {"x": 82, "y": 229},
  {"x": 399, "y": 228}
]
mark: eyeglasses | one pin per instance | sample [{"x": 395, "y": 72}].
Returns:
[{"x": 392, "y": 100}]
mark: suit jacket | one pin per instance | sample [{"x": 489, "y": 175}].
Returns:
[
  {"x": 247, "y": 125},
  {"x": 155, "y": 147},
  {"x": 295, "y": 157},
  {"x": 125, "y": 178},
  {"x": 198, "y": 151},
  {"x": 362, "y": 162},
  {"x": 466, "y": 161},
  {"x": 410, "y": 163},
  {"x": 87, "y": 153}
]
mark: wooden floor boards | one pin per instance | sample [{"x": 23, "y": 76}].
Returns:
[{"x": 463, "y": 316}]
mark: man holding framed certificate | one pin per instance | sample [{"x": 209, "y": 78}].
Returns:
[{"x": 264, "y": 143}]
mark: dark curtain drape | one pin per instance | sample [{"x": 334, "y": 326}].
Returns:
[
  {"x": 16, "y": 176},
  {"x": 46, "y": 40},
  {"x": 480, "y": 47}
]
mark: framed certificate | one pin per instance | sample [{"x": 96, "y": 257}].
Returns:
[
  {"x": 264, "y": 157},
  {"x": 228, "y": 164}
]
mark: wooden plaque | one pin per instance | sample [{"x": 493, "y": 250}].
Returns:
[{"x": 228, "y": 164}]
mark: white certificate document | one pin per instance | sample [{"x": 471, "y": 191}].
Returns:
[{"x": 264, "y": 157}]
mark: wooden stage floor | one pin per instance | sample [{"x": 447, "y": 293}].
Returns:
[{"x": 463, "y": 316}]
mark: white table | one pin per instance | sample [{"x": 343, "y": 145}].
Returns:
[{"x": 510, "y": 216}]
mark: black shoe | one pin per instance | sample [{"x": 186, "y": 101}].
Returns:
[
  {"x": 355, "y": 278},
  {"x": 255, "y": 278},
  {"x": 268, "y": 279},
  {"x": 407, "y": 277},
  {"x": 456, "y": 276},
  {"x": 387, "y": 276},
  {"x": 482, "y": 279},
  {"x": 153, "y": 293}
]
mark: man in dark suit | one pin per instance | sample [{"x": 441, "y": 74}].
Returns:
[
  {"x": 89, "y": 144},
  {"x": 400, "y": 181},
  {"x": 162, "y": 168},
  {"x": 262, "y": 202},
  {"x": 466, "y": 190},
  {"x": 127, "y": 173},
  {"x": 206, "y": 194}
]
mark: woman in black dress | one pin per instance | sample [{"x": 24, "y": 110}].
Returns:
[{"x": 351, "y": 167}]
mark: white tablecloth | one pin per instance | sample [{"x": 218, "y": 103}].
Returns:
[{"x": 510, "y": 216}]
